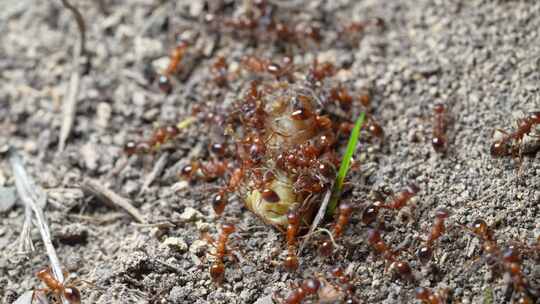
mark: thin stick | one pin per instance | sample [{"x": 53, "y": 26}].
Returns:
[
  {"x": 35, "y": 197},
  {"x": 112, "y": 199},
  {"x": 70, "y": 102},
  {"x": 158, "y": 168},
  {"x": 318, "y": 218},
  {"x": 25, "y": 241}
]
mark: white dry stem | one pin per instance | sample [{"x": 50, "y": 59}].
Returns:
[
  {"x": 318, "y": 218},
  {"x": 34, "y": 197},
  {"x": 70, "y": 102},
  {"x": 158, "y": 168},
  {"x": 25, "y": 240}
]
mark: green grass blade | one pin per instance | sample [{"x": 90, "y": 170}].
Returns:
[{"x": 345, "y": 164}]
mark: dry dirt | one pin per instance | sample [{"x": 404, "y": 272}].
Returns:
[{"x": 480, "y": 58}]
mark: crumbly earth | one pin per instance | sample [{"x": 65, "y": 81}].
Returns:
[{"x": 480, "y": 58}]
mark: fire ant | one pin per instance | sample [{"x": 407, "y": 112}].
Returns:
[
  {"x": 401, "y": 199},
  {"x": 345, "y": 210},
  {"x": 293, "y": 219},
  {"x": 374, "y": 128},
  {"x": 345, "y": 283},
  {"x": 439, "y": 140},
  {"x": 307, "y": 288},
  {"x": 208, "y": 171},
  {"x": 369, "y": 215},
  {"x": 259, "y": 65},
  {"x": 509, "y": 260},
  {"x": 160, "y": 137},
  {"x": 340, "y": 95},
  {"x": 220, "y": 199},
  {"x": 427, "y": 296},
  {"x": 511, "y": 142},
  {"x": 175, "y": 58},
  {"x": 69, "y": 292},
  {"x": 219, "y": 70},
  {"x": 318, "y": 72},
  {"x": 426, "y": 252},
  {"x": 380, "y": 247},
  {"x": 217, "y": 270}
]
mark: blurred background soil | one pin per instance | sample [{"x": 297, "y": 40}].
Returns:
[{"x": 479, "y": 58}]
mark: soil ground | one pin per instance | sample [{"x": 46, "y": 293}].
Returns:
[{"x": 480, "y": 58}]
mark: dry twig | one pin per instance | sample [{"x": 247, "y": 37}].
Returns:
[
  {"x": 158, "y": 168},
  {"x": 35, "y": 198},
  {"x": 110, "y": 198},
  {"x": 318, "y": 218},
  {"x": 70, "y": 102}
]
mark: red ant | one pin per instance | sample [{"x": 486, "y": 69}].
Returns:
[
  {"x": 342, "y": 97},
  {"x": 345, "y": 210},
  {"x": 217, "y": 270},
  {"x": 307, "y": 288},
  {"x": 505, "y": 146},
  {"x": 259, "y": 65},
  {"x": 401, "y": 199},
  {"x": 439, "y": 140},
  {"x": 376, "y": 241},
  {"x": 209, "y": 171},
  {"x": 426, "y": 252},
  {"x": 345, "y": 283},
  {"x": 219, "y": 70},
  {"x": 509, "y": 260},
  {"x": 293, "y": 219},
  {"x": 69, "y": 292},
  {"x": 374, "y": 128},
  {"x": 428, "y": 297},
  {"x": 318, "y": 72},
  {"x": 369, "y": 215},
  {"x": 164, "y": 81},
  {"x": 220, "y": 199},
  {"x": 160, "y": 137}
]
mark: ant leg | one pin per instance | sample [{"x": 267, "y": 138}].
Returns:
[
  {"x": 40, "y": 295},
  {"x": 205, "y": 236}
]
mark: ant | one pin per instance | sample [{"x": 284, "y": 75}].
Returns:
[
  {"x": 259, "y": 65},
  {"x": 439, "y": 140},
  {"x": 345, "y": 283},
  {"x": 69, "y": 292},
  {"x": 380, "y": 247},
  {"x": 345, "y": 210},
  {"x": 209, "y": 171},
  {"x": 427, "y": 296},
  {"x": 220, "y": 199},
  {"x": 342, "y": 97},
  {"x": 511, "y": 142},
  {"x": 370, "y": 213},
  {"x": 508, "y": 260},
  {"x": 318, "y": 72},
  {"x": 437, "y": 230},
  {"x": 219, "y": 70},
  {"x": 160, "y": 137},
  {"x": 293, "y": 219},
  {"x": 175, "y": 58},
  {"x": 374, "y": 128},
  {"x": 217, "y": 270},
  {"x": 307, "y": 288},
  {"x": 401, "y": 199}
]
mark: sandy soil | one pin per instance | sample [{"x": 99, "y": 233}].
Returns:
[{"x": 480, "y": 58}]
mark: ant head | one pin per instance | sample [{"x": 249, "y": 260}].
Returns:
[
  {"x": 499, "y": 149},
  {"x": 72, "y": 294},
  {"x": 228, "y": 228},
  {"x": 345, "y": 208}
]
